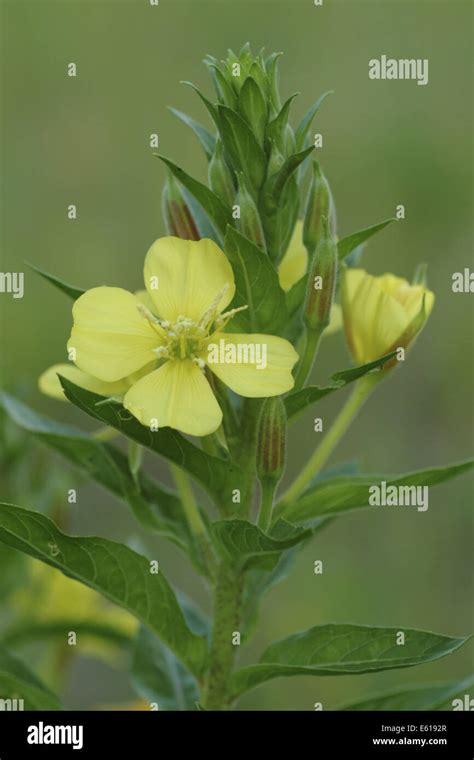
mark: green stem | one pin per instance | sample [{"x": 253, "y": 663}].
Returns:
[
  {"x": 267, "y": 499},
  {"x": 227, "y": 598},
  {"x": 312, "y": 338},
  {"x": 342, "y": 422}
]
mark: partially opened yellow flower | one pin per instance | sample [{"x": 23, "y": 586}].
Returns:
[
  {"x": 382, "y": 313},
  {"x": 293, "y": 267},
  {"x": 189, "y": 285}
]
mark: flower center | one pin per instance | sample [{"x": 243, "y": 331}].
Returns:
[{"x": 184, "y": 339}]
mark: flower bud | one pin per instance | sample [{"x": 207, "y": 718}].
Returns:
[
  {"x": 250, "y": 224},
  {"x": 382, "y": 314},
  {"x": 271, "y": 442},
  {"x": 321, "y": 281},
  {"x": 220, "y": 176},
  {"x": 176, "y": 212},
  {"x": 320, "y": 205}
]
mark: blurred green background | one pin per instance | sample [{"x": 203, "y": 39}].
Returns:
[{"x": 85, "y": 141}]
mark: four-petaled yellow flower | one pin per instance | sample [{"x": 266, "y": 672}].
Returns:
[
  {"x": 382, "y": 313},
  {"x": 189, "y": 285}
]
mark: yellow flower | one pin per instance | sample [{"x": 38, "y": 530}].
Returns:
[
  {"x": 49, "y": 384},
  {"x": 381, "y": 313},
  {"x": 293, "y": 267},
  {"x": 172, "y": 341}
]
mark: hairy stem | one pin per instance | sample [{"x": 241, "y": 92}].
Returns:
[
  {"x": 227, "y": 599},
  {"x": 342, "y": 422}
]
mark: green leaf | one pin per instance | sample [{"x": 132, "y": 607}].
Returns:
[
  {"x": 278, "y": 183},
  {"x": 201, "y": 219},
  {"x": 277, "y": 127},
  {"x": 257, "y": 286},
  {"x": 17, "y": 681},
  {"x": 246, "y": 546},
  {"x": 253, "y": 107},
  {"x": 348, "y": 244},
  {"x": 216, "y": 475},
  {"x": 159, "y": 676},
  {"x": 210, "y": 107},
  {"x": 112, "y": 569},
  {"x": 329, "y": 650},
  {"x": 207, "y": 140},
  {"x": 345, "y": 493},
  {"x": 69, "y": 290},
  {"x": 304, "y": 125},
  {"x": 154, "y": 506},
  {"x": 298, "y": 401},
  {"x": 224, "y": 89},
  {"x": 219, "y": 214},
  {"x": 427, "y": 697},
  {"x": 295, "y": 296},
  {"x": 240, "y": 143}
]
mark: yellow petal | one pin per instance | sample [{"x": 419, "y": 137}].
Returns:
[
  {"x": 111, "y": 336},
  {"x": 184, "y": 277},
  {"x": 176, "y": 395},
  {"x": 410, "y": 297},
  {"x": 145, "y": 299},
  {"x": 335, "y": 320},
  {"x": 49, "y": 384},
  {"x": 254, "y": 365},
  {"x": 295, "y": 261},
  {"x": 373, "y": 319}
]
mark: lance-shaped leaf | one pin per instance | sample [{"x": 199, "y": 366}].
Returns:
[
  {"x": 278, "y": 183},
  {"x": 257, "y": 286},
  {"x": 349, "y": 243},
  {"x": 342, "y": 494},
  {"x": 207, "y": 140},
  {"x": 216, "y": 475},
  {"x": 277, "y": 127},
  {"x": 210, "y": 107},
  {"x": 112, "y": 569},
  {"x": 240, "y": 143},
  {"x": 17, "y": 681},
  {"x": 246, "y": 546},
  {"x": 159, "y": 676},
  {"x": 330, "y": 650},
  {"x": 435, "y": 696},
  {"x": 218, "y": 214},
  {"x": 253, "y": 107},
  {"x": 298, "y": 401},
  {"x": 155, "y": 507},
  {"x": 304, "y": 125},
  {"x": 69, "y": 290}
]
